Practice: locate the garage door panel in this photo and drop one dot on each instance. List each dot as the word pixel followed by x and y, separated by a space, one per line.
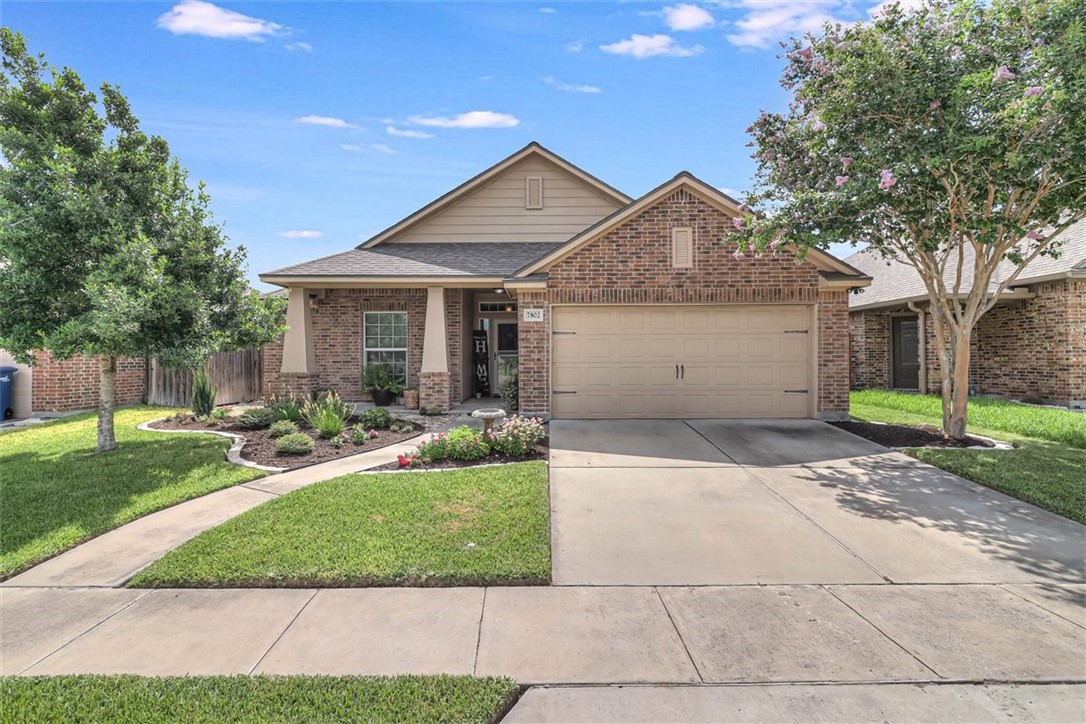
pixel 736 361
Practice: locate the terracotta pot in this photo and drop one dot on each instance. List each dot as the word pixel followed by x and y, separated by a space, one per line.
pixel 382 398
pixel 411 399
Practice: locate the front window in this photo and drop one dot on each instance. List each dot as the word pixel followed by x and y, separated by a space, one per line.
pixel 386 342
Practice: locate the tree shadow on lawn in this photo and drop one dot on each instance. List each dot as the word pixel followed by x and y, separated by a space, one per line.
pixel 1041 543
pixel 78 494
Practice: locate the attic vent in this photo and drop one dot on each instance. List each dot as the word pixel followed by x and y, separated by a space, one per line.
pixel 683 196
pixel 533 192
pixel 682 247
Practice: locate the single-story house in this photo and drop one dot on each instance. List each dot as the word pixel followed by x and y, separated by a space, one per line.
pixel 1031 346
pixel 603 305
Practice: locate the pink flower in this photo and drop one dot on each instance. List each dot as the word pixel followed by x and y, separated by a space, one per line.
pixel 934 105
pixel 818 126
pixel 738 254
pixel 1003 73
pixel 1035 235
pixel 1034 90
pixel 806 53
pixel 886 179
pixel 841 180
pixel 737 222
pixel 846 161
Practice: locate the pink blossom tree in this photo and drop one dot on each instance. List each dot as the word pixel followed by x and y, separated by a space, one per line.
pixel 949 137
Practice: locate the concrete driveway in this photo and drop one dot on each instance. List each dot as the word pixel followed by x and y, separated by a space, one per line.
pixel 704 502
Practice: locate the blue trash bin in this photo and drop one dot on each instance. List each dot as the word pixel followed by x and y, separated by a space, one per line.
pixel 7 396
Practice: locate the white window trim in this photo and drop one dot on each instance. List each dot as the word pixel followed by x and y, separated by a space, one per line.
pixel 406 349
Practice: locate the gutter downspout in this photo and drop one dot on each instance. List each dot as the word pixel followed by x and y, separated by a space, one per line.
pixel 923 346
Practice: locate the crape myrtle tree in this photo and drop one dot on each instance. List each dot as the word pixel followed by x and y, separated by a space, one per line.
pixel 949 137
pixel 105 250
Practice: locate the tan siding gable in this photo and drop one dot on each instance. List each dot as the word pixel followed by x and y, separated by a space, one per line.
pixel 496 211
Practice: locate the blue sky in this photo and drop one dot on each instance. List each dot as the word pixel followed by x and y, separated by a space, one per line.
pixel 316 125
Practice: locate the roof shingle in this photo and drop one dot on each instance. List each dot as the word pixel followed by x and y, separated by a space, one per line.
pixel 487 259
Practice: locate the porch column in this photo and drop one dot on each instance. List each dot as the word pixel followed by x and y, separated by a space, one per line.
pixel 434 376
pixel 298 341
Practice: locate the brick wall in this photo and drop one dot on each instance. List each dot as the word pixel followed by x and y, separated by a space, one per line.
pixel 72 384
pixel 1031 350
pixel 339 344
pixel 632 265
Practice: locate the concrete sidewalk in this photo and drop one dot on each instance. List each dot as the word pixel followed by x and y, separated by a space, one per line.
pixel 112 558
pixel 559 635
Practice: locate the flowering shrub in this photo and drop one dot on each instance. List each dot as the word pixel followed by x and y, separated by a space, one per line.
pixel 516 435
pixel 434 449
pixel 327 415
pixel 358 435
pixel 467 443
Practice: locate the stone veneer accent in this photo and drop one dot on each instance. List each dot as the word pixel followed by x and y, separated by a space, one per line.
pixel 339 345
pixel 1030 350
pixel 632 265
pixel 73 384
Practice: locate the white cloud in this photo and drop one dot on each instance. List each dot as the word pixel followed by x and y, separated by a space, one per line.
pixel 575 47
pixel 570 87
pixel 195 17
pixel 688 17
pixel 767 21
pixel 648 46
pixel 299 47
pixel 326 121
pixel 301 234
pixel 366 147
pixel 407 133
pixel 472 119
pixel 548 11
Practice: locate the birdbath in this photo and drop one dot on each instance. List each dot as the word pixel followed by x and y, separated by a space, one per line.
pixel 488 416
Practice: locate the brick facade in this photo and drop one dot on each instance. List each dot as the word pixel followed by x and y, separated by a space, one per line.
pixel 72 384
pixel 339 344
pixel 1032 350
pixel 632 265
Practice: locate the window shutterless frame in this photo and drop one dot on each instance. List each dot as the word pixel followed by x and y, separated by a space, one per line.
pixel 385 342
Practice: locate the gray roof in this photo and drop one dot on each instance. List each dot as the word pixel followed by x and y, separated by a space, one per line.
pixel 489 259
pixel 894 282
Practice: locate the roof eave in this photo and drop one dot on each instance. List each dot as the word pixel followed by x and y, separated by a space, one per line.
pixel 376 281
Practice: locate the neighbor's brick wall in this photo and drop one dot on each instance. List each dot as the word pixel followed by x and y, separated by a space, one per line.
pixel 632 265
pixel 1032 350
pixel 72 384
pixel 339 344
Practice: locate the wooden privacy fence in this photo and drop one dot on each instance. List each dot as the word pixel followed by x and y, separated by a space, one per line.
pixel 238 377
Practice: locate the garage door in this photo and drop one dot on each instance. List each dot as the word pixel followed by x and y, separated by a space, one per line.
pixel 680 361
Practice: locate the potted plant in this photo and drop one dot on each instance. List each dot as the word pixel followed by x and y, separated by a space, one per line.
pixel 411 398
pixel 377 381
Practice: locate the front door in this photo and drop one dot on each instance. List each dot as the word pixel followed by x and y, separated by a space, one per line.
pixel 506 351
pixel 906 353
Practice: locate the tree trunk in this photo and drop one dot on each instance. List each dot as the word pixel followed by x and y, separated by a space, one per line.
pixel 954 423
pixel 107 389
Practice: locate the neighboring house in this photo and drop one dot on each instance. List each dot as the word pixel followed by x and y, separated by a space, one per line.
pixel 72 384
pixel 603 305
pixel 1030 346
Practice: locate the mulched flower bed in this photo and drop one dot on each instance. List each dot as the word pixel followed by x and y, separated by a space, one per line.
pixel 907 436
pixel 260 445
pixel 539 452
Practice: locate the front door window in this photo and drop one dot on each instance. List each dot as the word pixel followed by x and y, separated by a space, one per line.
pixel 506 349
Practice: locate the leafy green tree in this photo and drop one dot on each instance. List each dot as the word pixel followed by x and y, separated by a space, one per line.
pixel 105 249
pixel 949 137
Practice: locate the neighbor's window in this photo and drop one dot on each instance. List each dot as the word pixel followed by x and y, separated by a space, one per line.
pixel 386 342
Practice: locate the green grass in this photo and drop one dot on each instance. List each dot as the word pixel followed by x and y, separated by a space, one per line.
pixel 469 526
pixel 56 491
pixel 1046 468
pixel 137 700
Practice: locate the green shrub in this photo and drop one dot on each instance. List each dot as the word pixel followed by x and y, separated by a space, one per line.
pixel 509 391
pixel 358 435
pixel 376 417
pixel 296 443
pixel 467 443
pixel 256 418
pixel 219 413
pixel 401 426
pixel 378 377
pixel 435 449
pixel 516 435
pixel 432 411
pixel 279 428
pixel 289 408
pixel 203 393
pixel 327 415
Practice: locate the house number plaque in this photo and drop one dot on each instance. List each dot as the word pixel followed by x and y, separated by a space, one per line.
pixel 533 315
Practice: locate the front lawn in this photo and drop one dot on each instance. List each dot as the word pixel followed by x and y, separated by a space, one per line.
pixel 471 526
pixel 56 491
pixel 138 700
pixel 1046 468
